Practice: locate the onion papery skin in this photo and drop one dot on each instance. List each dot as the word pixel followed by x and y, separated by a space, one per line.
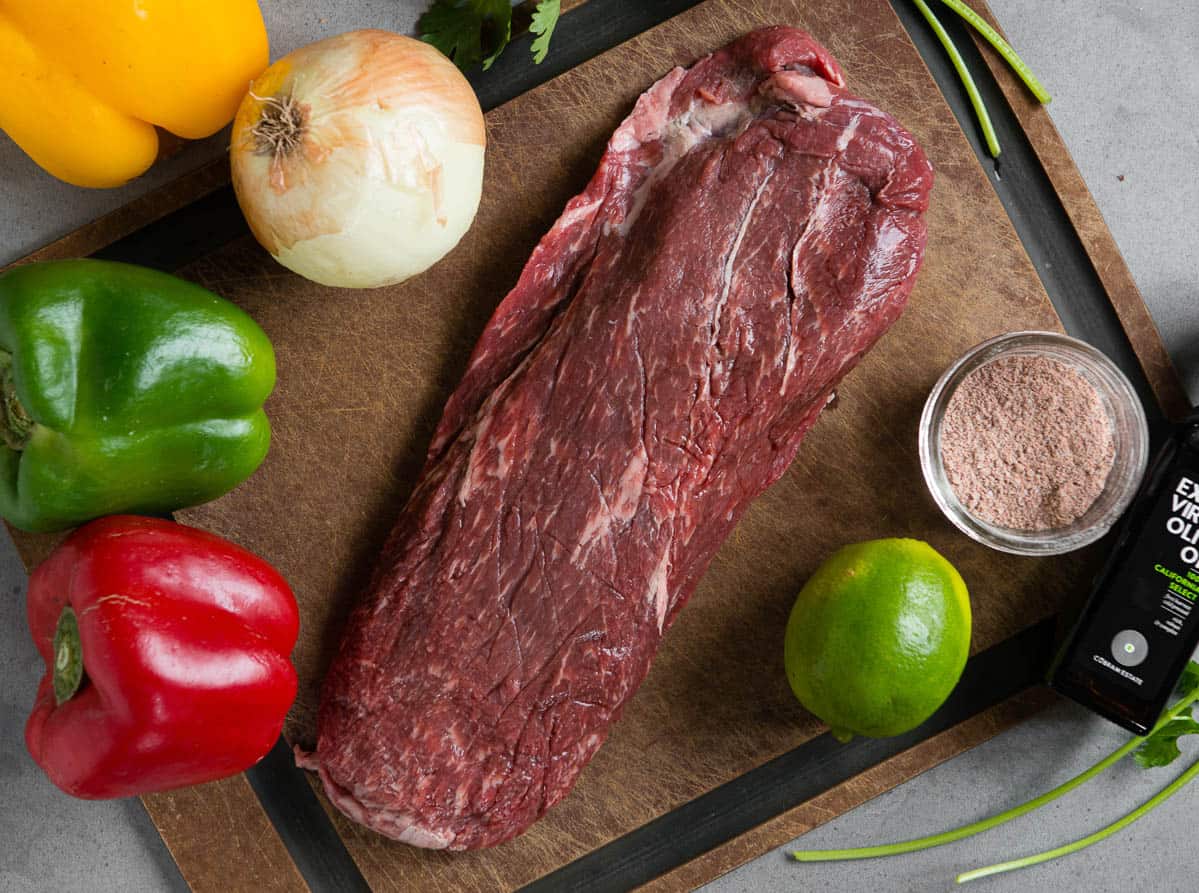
pixel 375 172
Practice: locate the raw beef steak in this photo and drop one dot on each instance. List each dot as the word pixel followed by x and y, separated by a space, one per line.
pixel 752 229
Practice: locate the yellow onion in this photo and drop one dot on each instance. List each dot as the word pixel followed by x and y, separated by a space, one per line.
pixel 358 160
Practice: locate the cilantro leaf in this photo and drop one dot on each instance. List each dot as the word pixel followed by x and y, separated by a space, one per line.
pixel 1161 747
pixel 500 12
pixel 1189 683
pixel 454 30
pixel 458 29
pixel 544 19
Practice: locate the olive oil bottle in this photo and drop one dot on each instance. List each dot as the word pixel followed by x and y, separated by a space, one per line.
pixel 1140 625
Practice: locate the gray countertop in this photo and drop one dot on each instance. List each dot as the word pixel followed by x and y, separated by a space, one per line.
pixel 1125 80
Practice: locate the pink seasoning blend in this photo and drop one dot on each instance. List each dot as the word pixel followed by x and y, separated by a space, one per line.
pixel 1026 443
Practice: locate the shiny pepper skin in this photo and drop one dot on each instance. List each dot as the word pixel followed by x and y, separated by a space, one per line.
pixel 123 390
pixel 84 84
pixel 167 658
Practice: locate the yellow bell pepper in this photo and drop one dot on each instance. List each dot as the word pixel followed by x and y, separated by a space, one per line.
pixel 83 84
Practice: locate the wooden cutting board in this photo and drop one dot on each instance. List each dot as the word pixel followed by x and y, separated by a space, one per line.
pixel 363 376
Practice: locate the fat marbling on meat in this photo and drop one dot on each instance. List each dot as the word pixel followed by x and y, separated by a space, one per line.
pixel 753 228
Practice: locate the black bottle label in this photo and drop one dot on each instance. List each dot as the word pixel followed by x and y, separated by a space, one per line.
pixel 1141 625
pixel 1153 595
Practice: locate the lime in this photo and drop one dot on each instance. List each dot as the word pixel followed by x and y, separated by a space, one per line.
pixel 878 637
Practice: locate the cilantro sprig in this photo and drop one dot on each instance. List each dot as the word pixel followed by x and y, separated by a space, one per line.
pixel 474 31
pixel 1158 748
pixel 545 17
pixel 1161 749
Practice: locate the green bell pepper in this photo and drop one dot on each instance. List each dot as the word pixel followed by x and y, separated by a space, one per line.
pixel 123 390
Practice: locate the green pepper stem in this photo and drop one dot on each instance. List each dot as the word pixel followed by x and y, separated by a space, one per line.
pixel 68 657
pixel 15 423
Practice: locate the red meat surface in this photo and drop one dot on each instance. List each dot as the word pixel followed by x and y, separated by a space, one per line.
pixel 753 228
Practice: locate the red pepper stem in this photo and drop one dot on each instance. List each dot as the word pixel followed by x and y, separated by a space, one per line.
pixel 68 657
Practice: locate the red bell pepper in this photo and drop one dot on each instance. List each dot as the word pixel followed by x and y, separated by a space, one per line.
pixel 167 658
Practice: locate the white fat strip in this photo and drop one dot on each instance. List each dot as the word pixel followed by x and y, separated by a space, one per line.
pixel 650 112
pixel 659 590
pixel 630 488
pixel 631 317
pixel 597 522
pixel 580 213
pixel 814 226
pixel 478 467
pixel 681 135
pixel 457 737
pixel 587 745
pixel 846 136
pixel 470 480
pixel 726 274
pixel 621 507
pixel 860 105
pixel 461 797
pixel 800 85
pixel 492 781
pixel 414 835
pixel 502 461
pixel 400 826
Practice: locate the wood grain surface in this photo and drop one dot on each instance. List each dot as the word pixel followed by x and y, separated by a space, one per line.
pixel 363 376
pixel 853 793
pixel 223 840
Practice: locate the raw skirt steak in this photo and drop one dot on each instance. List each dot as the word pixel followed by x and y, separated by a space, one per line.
pixel 751 231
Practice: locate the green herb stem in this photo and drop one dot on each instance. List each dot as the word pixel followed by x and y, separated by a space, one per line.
pixel 934 840
pixel 980 110
pixel 1002 47
pixel 16 425
pixel 1165 794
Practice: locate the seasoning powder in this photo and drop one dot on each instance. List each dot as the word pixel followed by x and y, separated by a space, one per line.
pixel 1026 443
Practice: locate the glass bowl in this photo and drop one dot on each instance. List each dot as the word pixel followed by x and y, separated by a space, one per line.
pixel 1129 431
